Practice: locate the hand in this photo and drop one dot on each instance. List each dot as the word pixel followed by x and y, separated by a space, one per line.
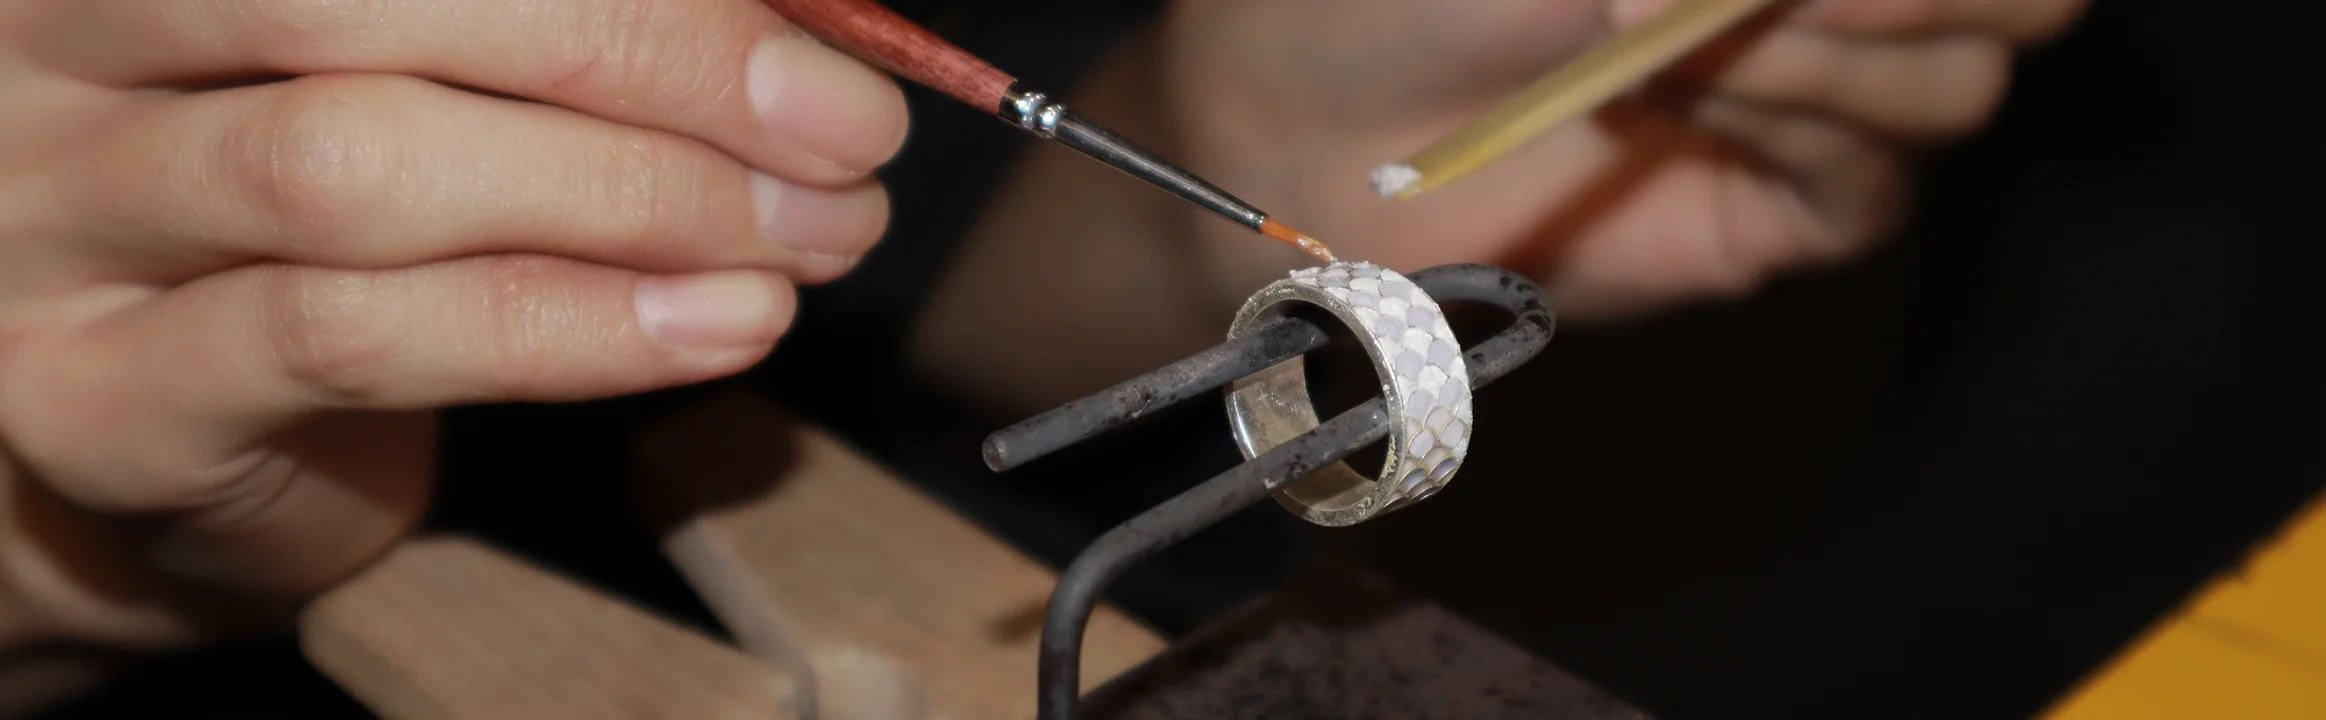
pixel 1783 146
pixel 246 246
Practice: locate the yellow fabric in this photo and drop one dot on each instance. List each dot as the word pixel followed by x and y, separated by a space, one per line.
pixel 2251 646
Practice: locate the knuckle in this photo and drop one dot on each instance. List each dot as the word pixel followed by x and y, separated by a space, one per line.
pixel 654 194
pixel 247 476
pixel 324 336
pixel 525 324
pixel 309 155
pixel 638 46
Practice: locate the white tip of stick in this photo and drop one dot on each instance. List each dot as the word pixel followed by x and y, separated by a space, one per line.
pixel 1394 178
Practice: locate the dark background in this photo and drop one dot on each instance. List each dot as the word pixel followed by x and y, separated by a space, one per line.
pixel 1945 482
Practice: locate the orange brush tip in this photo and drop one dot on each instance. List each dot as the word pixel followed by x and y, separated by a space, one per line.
pixel 1298 239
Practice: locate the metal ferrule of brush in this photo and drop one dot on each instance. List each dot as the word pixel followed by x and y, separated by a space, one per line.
pixel 1038 114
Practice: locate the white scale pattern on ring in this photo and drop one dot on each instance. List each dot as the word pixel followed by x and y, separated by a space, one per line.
pixel 1420 356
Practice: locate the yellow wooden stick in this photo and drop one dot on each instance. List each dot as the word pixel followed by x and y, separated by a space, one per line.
pixel 1571 90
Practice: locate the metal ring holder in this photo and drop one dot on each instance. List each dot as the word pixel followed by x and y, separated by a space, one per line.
pixel 1174 520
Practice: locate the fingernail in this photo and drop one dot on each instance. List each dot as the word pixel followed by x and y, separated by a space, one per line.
pixel 767 202
pixel 814 220
pixel 709 310
pixel 825 104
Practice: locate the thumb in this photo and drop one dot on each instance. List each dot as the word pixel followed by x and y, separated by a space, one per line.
pixel 337 492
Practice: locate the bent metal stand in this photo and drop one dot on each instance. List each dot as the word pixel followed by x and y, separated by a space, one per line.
pixel 843 593
pixel 1530 328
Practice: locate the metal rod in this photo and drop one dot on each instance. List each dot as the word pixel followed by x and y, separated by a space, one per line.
pixel 1531 324
pixel 1164 525
pixel 1130 400
pixel 1061 427
pixel 1068 615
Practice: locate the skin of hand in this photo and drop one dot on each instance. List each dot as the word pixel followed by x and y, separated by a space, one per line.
pixel 1784 144
pixel 248 246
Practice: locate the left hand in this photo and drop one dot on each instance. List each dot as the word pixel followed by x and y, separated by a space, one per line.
pixel 248 248
pixel 1783 146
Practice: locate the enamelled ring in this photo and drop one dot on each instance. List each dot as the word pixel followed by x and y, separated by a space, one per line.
pixel 1425 386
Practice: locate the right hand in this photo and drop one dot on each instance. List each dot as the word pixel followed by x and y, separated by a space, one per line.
pixel 246 246
pixel 1789 143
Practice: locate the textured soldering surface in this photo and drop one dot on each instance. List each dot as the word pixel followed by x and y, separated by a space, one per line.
pixel 1351 646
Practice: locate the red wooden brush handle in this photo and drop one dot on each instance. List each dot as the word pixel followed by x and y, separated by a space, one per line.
pixel 877 35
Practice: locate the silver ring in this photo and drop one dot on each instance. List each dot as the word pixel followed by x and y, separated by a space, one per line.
pixel 1424 382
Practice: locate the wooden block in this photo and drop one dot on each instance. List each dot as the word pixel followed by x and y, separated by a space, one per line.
pixel 802 545
pixel 447 628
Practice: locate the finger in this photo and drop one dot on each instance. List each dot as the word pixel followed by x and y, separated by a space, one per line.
pixel 1846 184
pixel 204 375
pixel 1687 219
pixel 345 489
pixel 1734 195
pixel 727 71
pixel 45 118
pixel 378 171
pixel 2019 21
pixel 1920 89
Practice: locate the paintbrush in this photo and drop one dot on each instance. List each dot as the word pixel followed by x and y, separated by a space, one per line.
pixel 1566 92
pixel 877 35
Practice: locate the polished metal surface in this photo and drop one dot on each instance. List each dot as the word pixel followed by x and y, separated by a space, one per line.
pixel 1032 111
